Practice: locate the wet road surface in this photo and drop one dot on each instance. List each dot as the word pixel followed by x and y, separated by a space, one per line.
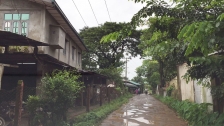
pixel 143 110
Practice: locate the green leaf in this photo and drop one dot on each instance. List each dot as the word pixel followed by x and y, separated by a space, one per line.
pixel 217 24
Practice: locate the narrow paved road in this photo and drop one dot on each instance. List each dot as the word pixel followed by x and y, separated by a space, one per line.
pixel 143 110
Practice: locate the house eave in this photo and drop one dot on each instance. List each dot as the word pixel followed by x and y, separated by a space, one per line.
pixel 54 9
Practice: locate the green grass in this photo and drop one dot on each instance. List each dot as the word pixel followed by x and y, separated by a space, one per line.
pixel 96 116
pixel 195 114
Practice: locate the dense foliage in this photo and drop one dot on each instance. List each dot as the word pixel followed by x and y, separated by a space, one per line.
pixel 160 42
pixel 198 24
pixel 109 53
pixel 58 93
pixel 187 31
pixel 149 72
pixel 113 74
pixel 195 114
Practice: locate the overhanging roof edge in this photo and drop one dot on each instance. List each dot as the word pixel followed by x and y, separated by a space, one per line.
pixel 67 21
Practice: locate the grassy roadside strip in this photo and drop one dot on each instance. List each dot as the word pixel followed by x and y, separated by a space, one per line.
pixel 97 115
pixel 195 114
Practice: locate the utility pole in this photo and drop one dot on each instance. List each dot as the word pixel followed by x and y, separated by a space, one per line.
pixel 126 69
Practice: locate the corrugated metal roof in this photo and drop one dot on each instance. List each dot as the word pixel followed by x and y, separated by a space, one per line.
pixel 29 58
pixel 13 39
pixel 130 85
pixel 54 9
pixel 132 82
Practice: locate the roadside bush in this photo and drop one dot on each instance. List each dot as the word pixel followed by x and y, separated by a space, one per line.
pixel 169 90
pixel 195 114
pixel 94 117
pixel 58 92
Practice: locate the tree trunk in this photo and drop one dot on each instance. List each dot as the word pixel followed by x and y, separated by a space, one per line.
pixel 64 117
pixel 217 102
pixel 162 81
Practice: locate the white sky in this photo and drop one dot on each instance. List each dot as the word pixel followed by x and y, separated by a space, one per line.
pixel 120 11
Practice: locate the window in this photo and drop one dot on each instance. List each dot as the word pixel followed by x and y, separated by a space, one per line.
pixel 15 27
pixel 79 58
pixel 24 28
pixel 73 53
pixel 16 23
pixel 65 48
pixel 7 26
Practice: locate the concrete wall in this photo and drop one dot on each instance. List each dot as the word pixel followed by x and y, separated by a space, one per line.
pixel 48 21
pixel 187 89
pixel 35 23
pixel 192 90
pixel 58 53
pixel 77 50
pixel 173 82
pixel 202 94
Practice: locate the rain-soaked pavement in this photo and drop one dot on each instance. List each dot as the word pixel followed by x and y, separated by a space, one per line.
pixel 143 110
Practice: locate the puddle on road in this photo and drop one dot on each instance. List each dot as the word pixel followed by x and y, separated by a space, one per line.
pixel 132 124
pixel 142 111
pixel 142 120
pixel 129 113
pixel 129 123
pixel 139 119
pixel 147 105
pixel 135 114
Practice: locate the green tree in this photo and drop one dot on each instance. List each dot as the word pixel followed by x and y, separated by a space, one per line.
pixel 149 73
pixel 160 42
pixel 201 28
pixel 139 79
pixel 113 74
pixel 110 53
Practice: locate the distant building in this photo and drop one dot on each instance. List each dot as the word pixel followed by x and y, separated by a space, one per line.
pixel 132 85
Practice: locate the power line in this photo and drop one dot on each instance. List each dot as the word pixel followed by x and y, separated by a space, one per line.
pixel 93 13
pixel 107 10
pixel 79 12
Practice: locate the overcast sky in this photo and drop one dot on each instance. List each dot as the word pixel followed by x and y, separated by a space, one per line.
pixel 120 11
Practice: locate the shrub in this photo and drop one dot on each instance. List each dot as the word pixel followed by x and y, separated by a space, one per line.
pixel 169 90
pixel 58 92
pixel 195 114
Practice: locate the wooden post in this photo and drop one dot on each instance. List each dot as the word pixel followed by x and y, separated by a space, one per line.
pixel 1 74
pixel 6 49
pixel 83 80
pixel 108 92
pixel 87 98
pixel 81 93
pixel 19 99
pixel 101 95
pixel 35 50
